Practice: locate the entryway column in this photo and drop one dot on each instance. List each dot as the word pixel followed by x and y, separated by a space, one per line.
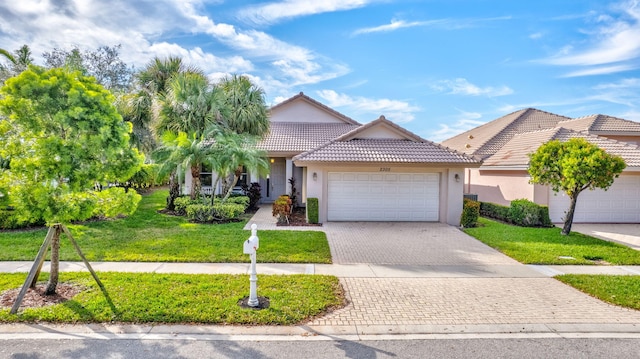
pixel 289 174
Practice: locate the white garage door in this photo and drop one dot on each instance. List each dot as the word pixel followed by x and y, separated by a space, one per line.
pixel 619 204
pixel 358 196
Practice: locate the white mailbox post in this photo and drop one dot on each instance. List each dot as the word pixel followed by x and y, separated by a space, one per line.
pixel 250 247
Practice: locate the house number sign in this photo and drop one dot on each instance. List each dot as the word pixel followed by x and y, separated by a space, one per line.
pixel 385 169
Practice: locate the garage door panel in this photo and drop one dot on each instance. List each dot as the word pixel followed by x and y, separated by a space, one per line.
pixel 383 197
pixel 619 204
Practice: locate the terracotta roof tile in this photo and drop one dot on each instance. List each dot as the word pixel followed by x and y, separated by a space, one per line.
pixel 515 152
pixel 601 123
pixel 384 151
pixel 300 137
pixel 485 140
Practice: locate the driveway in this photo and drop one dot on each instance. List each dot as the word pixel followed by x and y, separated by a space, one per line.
pixel 407 243
pixel 625 234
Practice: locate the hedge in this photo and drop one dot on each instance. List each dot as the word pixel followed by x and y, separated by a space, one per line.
pixel 521 212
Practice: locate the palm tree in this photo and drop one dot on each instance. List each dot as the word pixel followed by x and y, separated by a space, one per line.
pixel 233 152
pixel 188 150
pixel 152 81
pixel 136 108
pixel 190 104
pixel 248 112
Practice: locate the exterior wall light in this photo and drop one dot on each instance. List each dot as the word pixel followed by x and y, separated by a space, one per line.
pixel 315 176
pixel 272 160
pixel 457 177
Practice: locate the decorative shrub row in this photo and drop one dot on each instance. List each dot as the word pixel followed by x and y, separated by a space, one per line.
pixel 201 210
pixel 470 213
pixel 521 212
pixel 312 210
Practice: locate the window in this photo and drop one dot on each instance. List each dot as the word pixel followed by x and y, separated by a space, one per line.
pixel 206 177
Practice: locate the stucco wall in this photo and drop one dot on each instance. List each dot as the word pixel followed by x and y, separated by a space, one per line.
pixel 301 111
pixel 500 187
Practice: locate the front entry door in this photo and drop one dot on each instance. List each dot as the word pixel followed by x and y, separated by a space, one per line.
pixel 275 184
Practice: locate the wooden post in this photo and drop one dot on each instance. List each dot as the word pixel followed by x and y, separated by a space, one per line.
pixel 32 278
pixel 84 259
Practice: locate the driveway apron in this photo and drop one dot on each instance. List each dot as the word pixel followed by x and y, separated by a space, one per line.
pixel 411 304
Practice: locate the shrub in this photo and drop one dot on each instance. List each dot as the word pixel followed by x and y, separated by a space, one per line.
pixel 312 210
pixel 181 204
pixel 522 212
pixel 222 212
pixel 241 200
pixel 470 213
pixel 495 211
pixel 282 208
pixel 254 193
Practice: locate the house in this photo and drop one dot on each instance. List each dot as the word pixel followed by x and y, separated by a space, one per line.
pixel 373 172
pixel 504 145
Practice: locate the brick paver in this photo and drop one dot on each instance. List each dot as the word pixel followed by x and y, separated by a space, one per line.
pixel 407 243
pixel 454 301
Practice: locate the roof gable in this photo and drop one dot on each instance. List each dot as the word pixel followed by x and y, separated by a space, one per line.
pixel 382 141
pixel 485 140
pixel 602 124
pixel 303 109
pixel 380 129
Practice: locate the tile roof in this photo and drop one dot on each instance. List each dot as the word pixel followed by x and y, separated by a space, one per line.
pixel 515 152
pixel 384 151
pixel 601 123
pixel 485 140
pixel 299 137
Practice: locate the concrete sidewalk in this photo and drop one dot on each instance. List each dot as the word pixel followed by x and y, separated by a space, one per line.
pixel 338 270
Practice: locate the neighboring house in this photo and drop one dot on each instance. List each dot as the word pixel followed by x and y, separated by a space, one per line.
pixel 504 145
pixel 373 172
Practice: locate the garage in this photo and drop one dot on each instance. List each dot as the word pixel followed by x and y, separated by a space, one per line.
pixel 375 196
pixel 619 204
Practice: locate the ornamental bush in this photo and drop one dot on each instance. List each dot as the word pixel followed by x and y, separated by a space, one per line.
pixel 312 210
pixel 470 213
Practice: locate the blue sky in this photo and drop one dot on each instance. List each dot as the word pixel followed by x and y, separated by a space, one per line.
pixel 435 67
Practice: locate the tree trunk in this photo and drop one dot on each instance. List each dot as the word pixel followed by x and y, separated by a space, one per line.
pixel 55 262
pixel 196 185
pixel 233 183
pixel 174 190
pixel 568 221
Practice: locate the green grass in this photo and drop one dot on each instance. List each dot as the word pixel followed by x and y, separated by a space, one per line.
pixel 548 246
pixel 619 290
pixel 149 236
pixel 182 298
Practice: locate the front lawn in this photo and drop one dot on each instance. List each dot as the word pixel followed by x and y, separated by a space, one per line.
pixel 619 290
pixel 548 246
pixel 182 298
pixel 149 236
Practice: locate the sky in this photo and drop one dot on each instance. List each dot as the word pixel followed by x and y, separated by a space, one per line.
pixel 435 67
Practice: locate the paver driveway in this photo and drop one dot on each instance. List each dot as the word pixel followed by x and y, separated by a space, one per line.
pixel 407 243
pixel 406 304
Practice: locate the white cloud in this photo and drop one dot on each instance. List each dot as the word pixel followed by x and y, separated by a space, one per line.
pixel 447 24
pixel 624 83
pixel 394 25
pixel 614 41
pixel 277 11
pixel 141 28
pixel 394 110
pixel 535 36
pixel 464 121
pixel 461 86
pixel 600 70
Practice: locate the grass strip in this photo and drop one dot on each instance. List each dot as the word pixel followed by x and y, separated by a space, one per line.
pixel 182 298
pixel 548 246
pixel 615 289
pixel 149 236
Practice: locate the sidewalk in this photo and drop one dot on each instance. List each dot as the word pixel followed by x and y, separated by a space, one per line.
pixel 338 270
